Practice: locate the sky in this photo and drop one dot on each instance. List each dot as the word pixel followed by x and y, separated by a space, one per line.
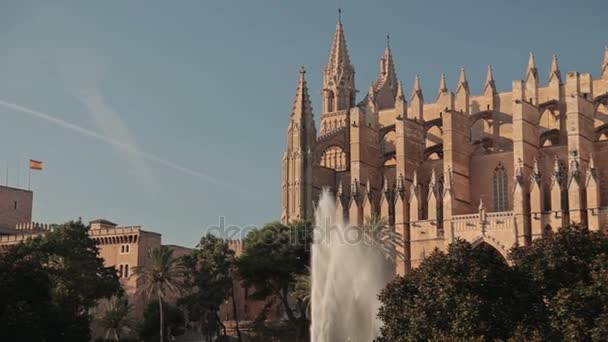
pixel 173 114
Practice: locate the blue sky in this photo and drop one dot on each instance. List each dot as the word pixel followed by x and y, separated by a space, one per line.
pixel 170 114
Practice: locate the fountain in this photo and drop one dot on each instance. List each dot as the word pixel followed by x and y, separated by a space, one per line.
pixel 347 276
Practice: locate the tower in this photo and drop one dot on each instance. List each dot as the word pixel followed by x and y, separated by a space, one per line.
pixel 297 160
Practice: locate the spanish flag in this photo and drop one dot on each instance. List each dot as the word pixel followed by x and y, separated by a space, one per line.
pixel 36 164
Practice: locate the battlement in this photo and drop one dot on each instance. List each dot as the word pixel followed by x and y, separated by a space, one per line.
pixel 34 226
pixel 9 240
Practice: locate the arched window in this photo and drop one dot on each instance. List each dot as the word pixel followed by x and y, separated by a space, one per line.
pixel 127 249
pixel 120 269
pixel 126 271
pixel 330 101
pixel 122 249
pixel 501 199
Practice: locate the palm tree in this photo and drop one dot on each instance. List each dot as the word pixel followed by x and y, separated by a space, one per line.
pixel 162 277
pixel 377 231
pixel 302 290
pixel 115 318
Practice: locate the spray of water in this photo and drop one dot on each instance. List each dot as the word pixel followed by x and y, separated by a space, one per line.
pixel 348 272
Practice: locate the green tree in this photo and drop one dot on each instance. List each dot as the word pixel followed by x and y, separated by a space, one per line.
pixel 50 283
pixel 115 318
pixel 465 294
pixel 172 324
pixel 210 280
pixel 274 256
pixel 568 280
pixel 555 290
pixel 161 278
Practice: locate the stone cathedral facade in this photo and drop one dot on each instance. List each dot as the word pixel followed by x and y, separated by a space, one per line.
pixel 500 168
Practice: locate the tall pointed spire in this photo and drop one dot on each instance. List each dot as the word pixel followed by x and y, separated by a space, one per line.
pixel 490 85
pixel 339 59
pixel 339 92
pixel 531 70
pixel 302 109
pixel 387 66
pixel 463 84
pixel 555 73
pixel 605 64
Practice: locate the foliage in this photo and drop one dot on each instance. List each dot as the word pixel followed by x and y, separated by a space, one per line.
pixel 568 275
pixel 173 324
pixel 50 283
pixel 162 278
pixel 464 294
pixel 115 318
pixel 210 280
pixel 378 232
pixel 556 289
pixel 274 256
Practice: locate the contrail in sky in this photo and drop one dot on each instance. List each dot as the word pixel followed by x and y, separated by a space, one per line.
pixel 115 143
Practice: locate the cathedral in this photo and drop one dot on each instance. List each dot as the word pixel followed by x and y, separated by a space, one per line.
pixel 496 168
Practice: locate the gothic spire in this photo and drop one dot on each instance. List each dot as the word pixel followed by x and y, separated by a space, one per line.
pixel 463 84
pixel 302 109
pixel 555 73
pixel 531 70
pixel 490 84
pixel 339 61
pixel 387 66
pixel 605 64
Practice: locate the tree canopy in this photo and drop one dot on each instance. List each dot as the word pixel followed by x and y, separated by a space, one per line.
pixel 49 284
pixel 209 278
pixel 273 258
pixel 556 289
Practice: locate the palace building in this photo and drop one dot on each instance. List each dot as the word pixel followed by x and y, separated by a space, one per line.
pixel 500 168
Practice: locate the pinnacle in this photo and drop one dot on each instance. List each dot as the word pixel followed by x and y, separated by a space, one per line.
pixel 531 61
pixel 443 84
pixel 463 76
pixel 462 81
pixel 554 69
pixel 417 90
pixel 531 70
pixel 400 94
pixel 490 75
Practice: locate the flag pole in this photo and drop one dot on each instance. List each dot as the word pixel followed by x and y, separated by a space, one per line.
pixel 29 178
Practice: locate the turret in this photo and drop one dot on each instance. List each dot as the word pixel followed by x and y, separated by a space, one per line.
pixel 297 160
